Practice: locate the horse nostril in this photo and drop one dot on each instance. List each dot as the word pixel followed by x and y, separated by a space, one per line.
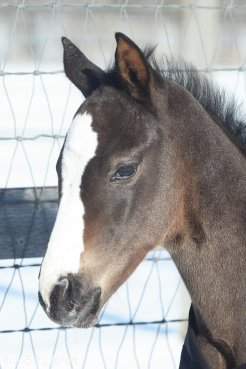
pixel 64 286
pixel 62 295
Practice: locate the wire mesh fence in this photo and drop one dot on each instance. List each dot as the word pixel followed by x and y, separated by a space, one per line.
pixel 143 324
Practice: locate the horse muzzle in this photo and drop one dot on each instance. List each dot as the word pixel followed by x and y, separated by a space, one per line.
pixel 73 303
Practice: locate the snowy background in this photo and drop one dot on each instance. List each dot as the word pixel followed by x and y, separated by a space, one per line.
pixel 37 104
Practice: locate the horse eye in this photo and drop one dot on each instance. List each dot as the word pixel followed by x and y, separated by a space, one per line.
pixel 124 171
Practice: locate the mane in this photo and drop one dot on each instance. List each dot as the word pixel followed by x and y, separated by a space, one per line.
pixel 224 110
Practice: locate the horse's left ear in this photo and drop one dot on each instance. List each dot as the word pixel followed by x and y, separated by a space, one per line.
pixel 81 71
pixel 132 67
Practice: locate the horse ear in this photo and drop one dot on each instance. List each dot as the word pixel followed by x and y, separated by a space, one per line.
pixel 80 70
pixel 132 67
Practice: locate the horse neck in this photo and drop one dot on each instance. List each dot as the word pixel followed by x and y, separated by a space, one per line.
pixel 210 222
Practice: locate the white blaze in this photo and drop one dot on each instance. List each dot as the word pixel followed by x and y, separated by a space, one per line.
pixel 66 240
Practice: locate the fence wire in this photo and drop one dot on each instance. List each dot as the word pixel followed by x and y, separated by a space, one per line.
pixel 143 324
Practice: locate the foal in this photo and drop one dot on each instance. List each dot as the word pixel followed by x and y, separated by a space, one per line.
pixel 151 158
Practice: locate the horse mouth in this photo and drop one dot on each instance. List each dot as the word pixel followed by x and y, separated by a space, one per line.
pixel 90 317
pixel 87 322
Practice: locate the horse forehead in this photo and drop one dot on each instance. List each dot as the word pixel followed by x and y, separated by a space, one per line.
pixel 79 147
pixel 80 134
pixel 109 106
pixel 116 117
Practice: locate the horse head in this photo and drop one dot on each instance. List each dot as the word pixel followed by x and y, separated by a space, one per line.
pixel 114 182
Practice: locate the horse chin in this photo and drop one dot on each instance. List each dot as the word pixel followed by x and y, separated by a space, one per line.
pixel 89 322
pixel 77 320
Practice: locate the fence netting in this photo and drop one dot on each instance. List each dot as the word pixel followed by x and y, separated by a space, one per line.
pixel 143 324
